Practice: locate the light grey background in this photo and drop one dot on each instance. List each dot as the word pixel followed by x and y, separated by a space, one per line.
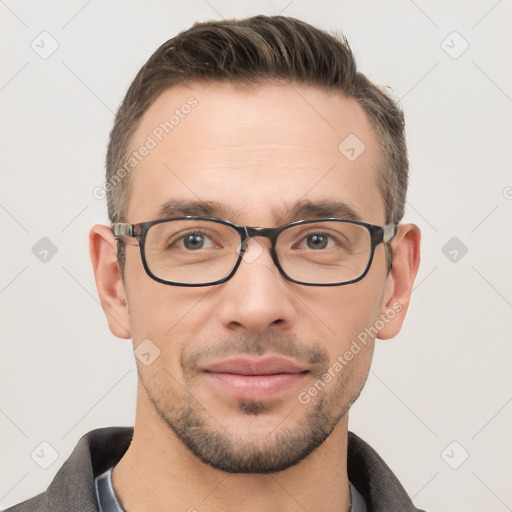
pixel 446 378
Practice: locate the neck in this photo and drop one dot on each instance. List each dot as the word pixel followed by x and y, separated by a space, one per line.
pixel 159 473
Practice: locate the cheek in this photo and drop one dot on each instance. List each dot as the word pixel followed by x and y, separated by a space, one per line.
pixel 171 317
pixel 346 311
pixel 348 315
pixel 154 308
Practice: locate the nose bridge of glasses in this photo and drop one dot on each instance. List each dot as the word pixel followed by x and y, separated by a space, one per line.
pixel 251 232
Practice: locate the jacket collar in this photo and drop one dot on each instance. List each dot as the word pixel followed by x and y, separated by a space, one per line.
pixel 73 486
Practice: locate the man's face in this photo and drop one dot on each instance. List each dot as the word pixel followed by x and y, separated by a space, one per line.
pixel 253 154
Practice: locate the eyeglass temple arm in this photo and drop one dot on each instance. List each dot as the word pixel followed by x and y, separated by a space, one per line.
pixel 389 232
pixel 122 229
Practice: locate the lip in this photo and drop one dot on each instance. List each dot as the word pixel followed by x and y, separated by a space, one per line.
pixel 251 379
pixel 246 366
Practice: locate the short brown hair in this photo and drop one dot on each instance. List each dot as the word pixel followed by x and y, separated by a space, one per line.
pixel 254 51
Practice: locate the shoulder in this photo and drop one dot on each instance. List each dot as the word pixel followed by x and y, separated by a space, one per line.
pixel 73 486
pixel 38 503
pixel 374 479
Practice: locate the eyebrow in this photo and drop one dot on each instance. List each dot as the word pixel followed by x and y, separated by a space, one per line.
pixel 305 209
pixel 301 209
pixel 179 208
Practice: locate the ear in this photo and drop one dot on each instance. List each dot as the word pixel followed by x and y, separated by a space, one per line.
pixel 406 260
pixel 103 251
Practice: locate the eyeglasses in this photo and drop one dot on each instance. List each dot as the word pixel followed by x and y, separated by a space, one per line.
pixel 205 251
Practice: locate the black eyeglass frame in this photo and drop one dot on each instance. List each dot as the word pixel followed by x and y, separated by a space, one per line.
pixel 378 235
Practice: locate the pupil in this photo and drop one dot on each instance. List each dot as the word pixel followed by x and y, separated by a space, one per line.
pixel 194 241
pixel 317 242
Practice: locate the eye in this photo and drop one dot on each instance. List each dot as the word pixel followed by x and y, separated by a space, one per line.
pixel 317 241
pixel 193 241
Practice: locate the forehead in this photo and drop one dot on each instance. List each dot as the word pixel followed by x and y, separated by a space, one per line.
pixel 253 150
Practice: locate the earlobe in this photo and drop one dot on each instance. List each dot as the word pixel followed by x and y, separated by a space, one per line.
pixel 111 291
pixel 406 260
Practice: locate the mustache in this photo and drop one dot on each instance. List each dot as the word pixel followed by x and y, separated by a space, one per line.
pixel 313 355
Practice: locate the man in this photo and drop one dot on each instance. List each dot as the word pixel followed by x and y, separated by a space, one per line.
pixel 256 182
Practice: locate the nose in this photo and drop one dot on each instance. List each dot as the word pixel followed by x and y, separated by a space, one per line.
pixel 257 297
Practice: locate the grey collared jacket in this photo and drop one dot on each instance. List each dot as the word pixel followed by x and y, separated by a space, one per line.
pixel 72 489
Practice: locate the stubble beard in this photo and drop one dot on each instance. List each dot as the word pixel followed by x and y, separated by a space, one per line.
pixel 234 452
